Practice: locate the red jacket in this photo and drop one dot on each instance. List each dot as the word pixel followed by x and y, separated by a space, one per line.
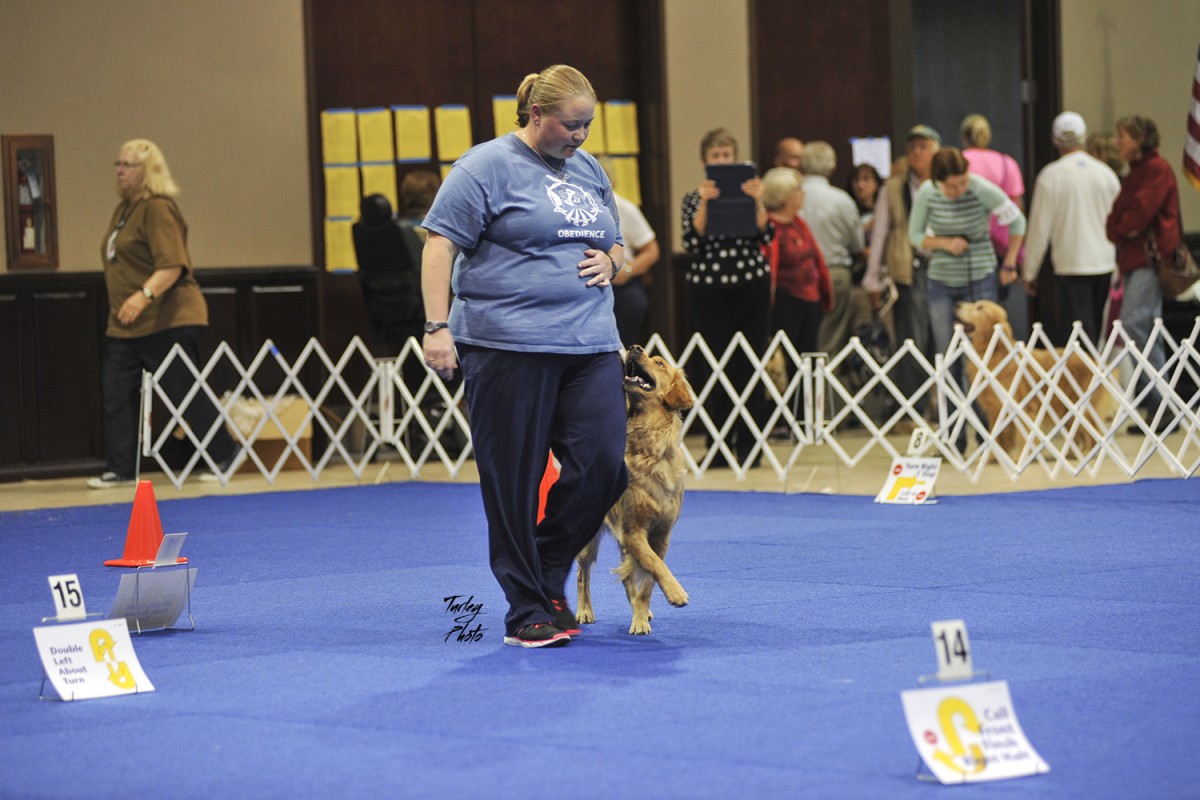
pixel 797 266
pixel 1149 201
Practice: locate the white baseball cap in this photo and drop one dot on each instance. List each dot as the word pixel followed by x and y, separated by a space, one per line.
pixel 1069 128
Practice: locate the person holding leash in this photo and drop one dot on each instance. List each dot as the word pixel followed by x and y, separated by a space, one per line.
pixel 527 226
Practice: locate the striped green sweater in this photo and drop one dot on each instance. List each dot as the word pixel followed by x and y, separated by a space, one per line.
pixel 966 216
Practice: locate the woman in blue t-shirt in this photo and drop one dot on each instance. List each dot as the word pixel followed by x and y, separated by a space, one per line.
pixel 527 226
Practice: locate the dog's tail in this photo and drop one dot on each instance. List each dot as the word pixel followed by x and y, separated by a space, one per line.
pixel 630 568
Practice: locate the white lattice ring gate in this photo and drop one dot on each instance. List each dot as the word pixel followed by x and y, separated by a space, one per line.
pixel 351 407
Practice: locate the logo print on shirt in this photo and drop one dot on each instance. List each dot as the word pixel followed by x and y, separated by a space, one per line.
pixel 573 203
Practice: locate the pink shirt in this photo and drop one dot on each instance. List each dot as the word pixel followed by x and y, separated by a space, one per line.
pixel 1003 171
pixel 998 168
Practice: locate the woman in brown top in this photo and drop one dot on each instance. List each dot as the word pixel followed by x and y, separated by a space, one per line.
pixel 154 304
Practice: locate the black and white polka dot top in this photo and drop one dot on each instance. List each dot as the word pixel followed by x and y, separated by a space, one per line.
pixel 723 259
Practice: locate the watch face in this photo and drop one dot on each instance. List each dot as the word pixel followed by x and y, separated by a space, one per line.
pixel 434 327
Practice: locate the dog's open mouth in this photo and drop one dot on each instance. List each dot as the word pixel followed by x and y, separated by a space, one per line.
pixel 636 375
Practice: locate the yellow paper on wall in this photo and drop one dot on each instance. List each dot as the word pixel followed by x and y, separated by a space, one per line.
pixel 453 126
pixel 620 124
pixel 339 142
pixel 380 179
pixel 504 114
pixel 626 179
pixel 341 190
pixel 413 141
pixel 597 141
pixel 339 245
pixel 375 134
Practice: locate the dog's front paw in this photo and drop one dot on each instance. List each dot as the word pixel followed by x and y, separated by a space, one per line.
pixel 676 596
pixel 585 616
pixel 640 627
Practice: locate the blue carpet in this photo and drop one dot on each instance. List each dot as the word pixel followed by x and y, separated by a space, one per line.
pixel 320 668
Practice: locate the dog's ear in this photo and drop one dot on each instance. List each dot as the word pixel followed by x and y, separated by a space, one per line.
pixel 679 394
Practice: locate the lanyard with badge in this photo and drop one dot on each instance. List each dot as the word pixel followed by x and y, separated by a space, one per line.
pixel 112 239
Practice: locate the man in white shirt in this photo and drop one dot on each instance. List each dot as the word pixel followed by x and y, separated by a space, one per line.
pixel 1071 201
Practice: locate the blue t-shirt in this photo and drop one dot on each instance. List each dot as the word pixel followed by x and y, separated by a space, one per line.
pixel 521 231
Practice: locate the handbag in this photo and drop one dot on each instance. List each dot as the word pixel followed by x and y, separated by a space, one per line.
pixel 1177 273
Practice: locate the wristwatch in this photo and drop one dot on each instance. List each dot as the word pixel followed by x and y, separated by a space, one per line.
pixel 146 293
pixel 434 327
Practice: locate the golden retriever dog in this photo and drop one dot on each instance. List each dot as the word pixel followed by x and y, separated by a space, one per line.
pixel 641 520
pixel 979 320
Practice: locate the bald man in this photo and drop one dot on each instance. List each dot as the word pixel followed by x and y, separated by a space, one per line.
pixel 788 152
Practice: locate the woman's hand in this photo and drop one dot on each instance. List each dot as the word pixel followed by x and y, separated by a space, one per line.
pixel 439 353
pixel 753 188
pixel 708 190
pixel 954 245
pixel 1008 275
pixel 159 282
pixel 132 308
pixel 599 268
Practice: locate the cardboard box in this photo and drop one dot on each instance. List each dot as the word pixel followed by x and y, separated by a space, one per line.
pixel 270 444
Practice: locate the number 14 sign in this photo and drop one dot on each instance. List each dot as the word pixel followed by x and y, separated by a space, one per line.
pixel 953 650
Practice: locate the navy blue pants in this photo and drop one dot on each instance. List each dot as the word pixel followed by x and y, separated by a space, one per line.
pixel 521 405
pixel 124 360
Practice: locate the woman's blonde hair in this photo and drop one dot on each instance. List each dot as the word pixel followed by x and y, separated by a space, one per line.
pixel 156 177
pixel 778 185
pixel 549 89
pixel 975 131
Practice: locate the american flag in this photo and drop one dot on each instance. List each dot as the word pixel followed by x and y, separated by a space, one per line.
pixel 1191 150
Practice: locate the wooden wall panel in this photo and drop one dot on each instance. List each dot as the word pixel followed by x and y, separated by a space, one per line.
pixel 10 381
pixel 379 52
pixel 821 71
pixel 223 326
pixel 65 404
pixel 51 345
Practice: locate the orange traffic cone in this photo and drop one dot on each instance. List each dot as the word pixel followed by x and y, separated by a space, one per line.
pixel 145 531
pixel 548 479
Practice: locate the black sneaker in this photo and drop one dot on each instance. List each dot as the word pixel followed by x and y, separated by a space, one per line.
pixel 564 617
pixel 539 634
pixel 109 480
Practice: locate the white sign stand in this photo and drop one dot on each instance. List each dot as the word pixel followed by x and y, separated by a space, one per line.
pixel 910 482
pixel 953 653
pixel 153 598
pixel 969 733
pixel 966 733
pixel 81 659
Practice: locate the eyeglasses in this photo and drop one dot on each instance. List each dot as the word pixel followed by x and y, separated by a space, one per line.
pixel 126 164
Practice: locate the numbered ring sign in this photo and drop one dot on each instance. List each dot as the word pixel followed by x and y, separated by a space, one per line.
pixel 953 650
pixel 68 598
